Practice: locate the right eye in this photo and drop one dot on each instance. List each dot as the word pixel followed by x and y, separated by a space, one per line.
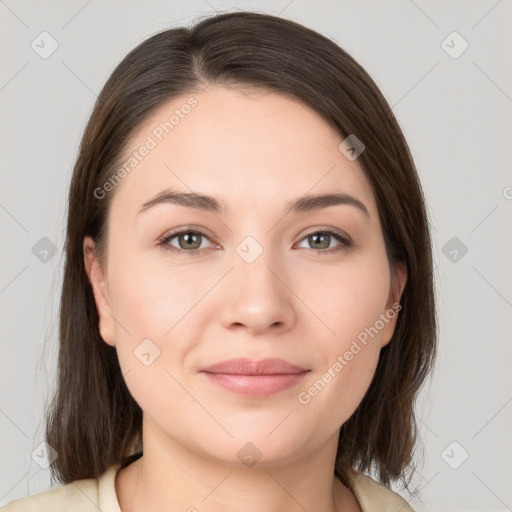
pixel 188 240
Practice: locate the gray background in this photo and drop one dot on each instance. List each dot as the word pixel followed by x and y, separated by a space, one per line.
pixel 456 116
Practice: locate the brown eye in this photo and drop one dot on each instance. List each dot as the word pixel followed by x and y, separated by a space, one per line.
pixel 186 241
pixel 321 241
pixel 189 240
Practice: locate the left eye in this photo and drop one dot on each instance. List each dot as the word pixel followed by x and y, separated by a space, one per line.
pixel 322 240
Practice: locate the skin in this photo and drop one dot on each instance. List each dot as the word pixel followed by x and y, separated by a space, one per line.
pixel 256 151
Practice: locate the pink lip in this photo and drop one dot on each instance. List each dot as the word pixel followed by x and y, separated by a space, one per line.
pixel 255 378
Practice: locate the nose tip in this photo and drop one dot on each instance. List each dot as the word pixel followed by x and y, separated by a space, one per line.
pixel 255 297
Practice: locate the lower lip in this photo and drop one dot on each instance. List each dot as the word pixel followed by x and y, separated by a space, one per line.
pixel 256 385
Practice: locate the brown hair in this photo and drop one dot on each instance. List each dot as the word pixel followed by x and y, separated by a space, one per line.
pixel 93 421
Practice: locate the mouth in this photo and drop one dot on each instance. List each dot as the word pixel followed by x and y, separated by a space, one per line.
pixel 256 379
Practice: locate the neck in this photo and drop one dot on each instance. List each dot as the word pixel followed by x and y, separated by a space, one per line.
pixel 172 477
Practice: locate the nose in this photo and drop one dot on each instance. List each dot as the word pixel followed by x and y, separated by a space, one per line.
pixel 257 296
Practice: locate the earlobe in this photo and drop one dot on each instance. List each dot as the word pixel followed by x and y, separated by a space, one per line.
pixel 98 282
pixel 393 306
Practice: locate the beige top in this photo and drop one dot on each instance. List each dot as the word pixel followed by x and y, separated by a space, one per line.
pixel 91 494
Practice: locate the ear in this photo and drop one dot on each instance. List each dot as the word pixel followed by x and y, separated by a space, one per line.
pixel 98 281
pixel 393 307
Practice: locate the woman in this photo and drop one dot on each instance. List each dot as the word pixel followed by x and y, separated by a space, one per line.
pixel 247 311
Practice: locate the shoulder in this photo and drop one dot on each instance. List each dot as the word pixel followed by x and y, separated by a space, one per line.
pixel 79 496
pixel 375 497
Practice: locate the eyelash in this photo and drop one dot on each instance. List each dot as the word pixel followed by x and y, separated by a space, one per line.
pixel 346 243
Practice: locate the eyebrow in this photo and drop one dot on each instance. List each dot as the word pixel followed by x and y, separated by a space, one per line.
pixel 207 203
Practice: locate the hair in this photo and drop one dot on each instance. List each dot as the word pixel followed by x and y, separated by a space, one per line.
pixel 93 421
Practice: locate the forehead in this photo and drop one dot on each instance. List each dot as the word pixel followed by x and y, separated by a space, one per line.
pixel 248 148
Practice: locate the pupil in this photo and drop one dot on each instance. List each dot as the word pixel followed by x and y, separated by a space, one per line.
pixel 191 239
pixel 319 243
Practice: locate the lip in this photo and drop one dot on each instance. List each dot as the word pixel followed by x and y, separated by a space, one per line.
pixel 244 366
pixel 255 378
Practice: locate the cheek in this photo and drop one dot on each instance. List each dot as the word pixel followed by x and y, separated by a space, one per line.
pixel 343 372
pixel 152 296
pixel 347 296
pixel 349 301
pixel 154 310
pixel 160 311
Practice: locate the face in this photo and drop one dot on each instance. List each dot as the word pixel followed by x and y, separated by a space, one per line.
pixel 185 287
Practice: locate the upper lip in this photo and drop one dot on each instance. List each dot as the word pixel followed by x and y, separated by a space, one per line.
pixel 244 366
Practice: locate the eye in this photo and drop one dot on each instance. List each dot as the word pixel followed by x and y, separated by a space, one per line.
pixel 191 241
pixel 187 240
pixel 322 240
